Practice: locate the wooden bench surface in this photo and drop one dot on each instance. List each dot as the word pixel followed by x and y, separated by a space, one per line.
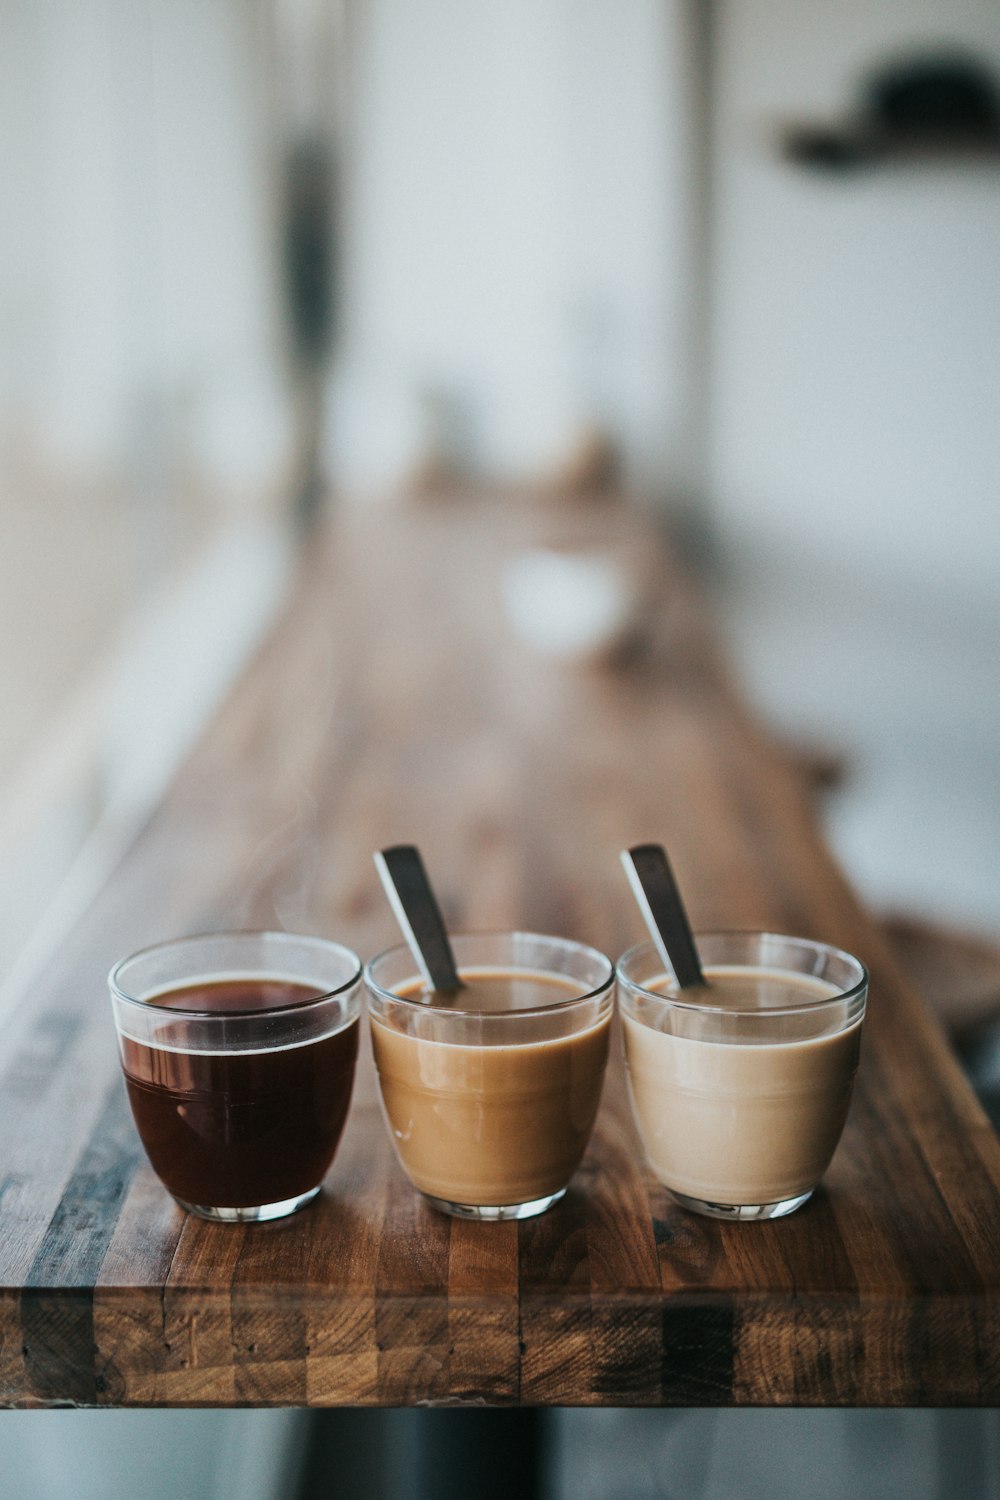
pixel 390 704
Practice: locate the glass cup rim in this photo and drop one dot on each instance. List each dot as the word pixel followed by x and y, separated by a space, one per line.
pixel 815 944
pixel 509 1015
pixel 296 1006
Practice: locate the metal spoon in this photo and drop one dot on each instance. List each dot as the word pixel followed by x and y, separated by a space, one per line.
pixel 655 889
pixel 404 878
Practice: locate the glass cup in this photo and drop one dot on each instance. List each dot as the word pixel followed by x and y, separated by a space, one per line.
pixel 238 1051
pixel 490 1109
pixel 741 1090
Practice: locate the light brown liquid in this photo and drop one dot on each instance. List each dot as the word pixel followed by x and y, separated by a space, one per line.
pixel 490 1119
pixel 739 1121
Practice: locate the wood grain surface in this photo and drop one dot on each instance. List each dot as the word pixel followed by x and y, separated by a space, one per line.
pixel 392 705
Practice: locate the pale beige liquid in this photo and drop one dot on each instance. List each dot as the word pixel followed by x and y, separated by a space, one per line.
pixel 737 1121
pixel 495 1122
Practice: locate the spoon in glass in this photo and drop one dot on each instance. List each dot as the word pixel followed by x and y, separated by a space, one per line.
pixel 655 890
pixel 405 881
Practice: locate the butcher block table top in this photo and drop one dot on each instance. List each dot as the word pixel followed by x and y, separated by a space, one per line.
pixel 390 704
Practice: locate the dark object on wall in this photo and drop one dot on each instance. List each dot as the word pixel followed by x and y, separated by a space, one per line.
pixel 307 223
pixel 928 107
pixel 309 267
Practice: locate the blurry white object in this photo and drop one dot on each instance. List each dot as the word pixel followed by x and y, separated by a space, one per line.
pixel 573 605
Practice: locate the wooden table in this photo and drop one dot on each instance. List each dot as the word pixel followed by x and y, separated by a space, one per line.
pixel 390 704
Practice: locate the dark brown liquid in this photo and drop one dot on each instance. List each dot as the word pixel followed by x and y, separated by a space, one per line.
pixel 239 1129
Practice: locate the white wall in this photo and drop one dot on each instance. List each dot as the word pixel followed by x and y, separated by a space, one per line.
pixel 515 238
pixel 137 290
pixel 516 231
pixel 855 447
pixel 856 353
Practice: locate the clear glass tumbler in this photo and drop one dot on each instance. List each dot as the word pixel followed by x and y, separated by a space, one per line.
pixel 741 1089
pixel 238 1051
pixel 490 1096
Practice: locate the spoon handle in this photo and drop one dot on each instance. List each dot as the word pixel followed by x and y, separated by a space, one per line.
pixel 655 889
pixel 410 895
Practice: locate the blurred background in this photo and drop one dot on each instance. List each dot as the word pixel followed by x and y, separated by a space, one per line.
pixel 736 258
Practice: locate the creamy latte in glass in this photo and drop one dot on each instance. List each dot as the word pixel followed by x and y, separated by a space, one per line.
pixel 490 1093
pixel 741 1088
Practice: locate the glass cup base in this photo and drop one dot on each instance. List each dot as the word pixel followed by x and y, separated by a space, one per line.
pixel 741 1211
pixel 257 1214
pixel 492 1213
